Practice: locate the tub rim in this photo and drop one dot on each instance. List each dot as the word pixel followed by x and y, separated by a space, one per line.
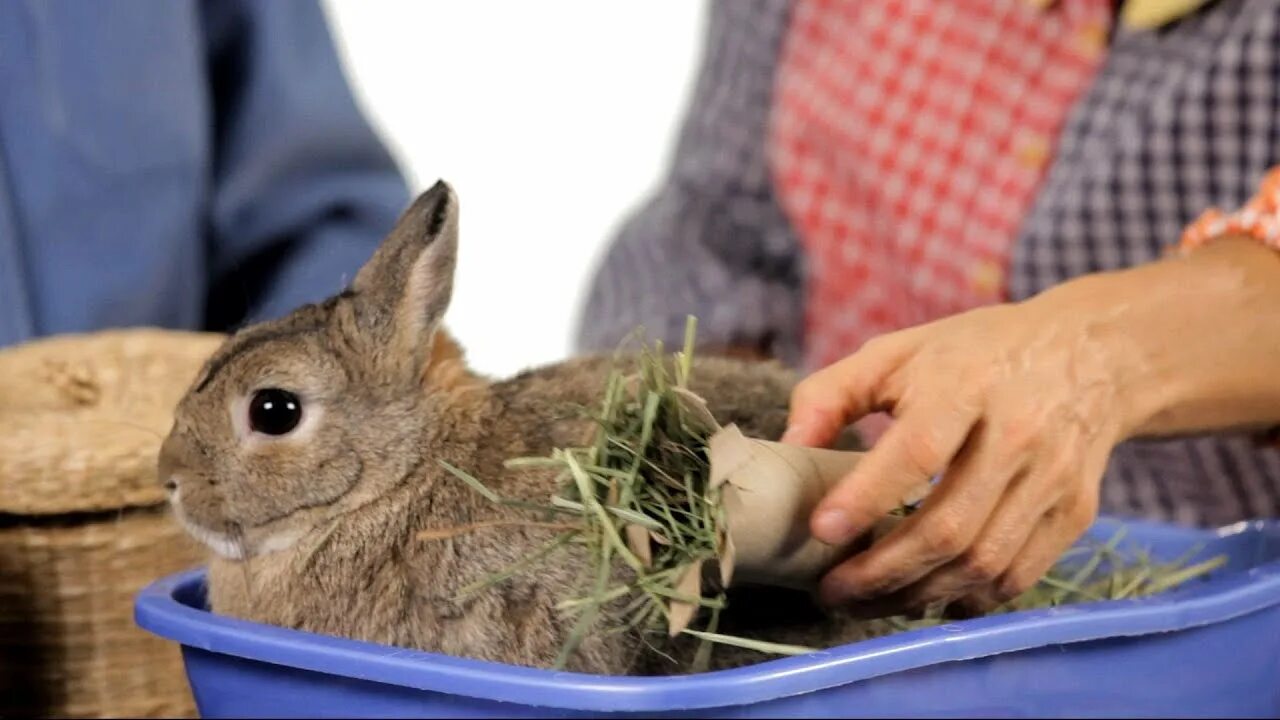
pixel 1232 595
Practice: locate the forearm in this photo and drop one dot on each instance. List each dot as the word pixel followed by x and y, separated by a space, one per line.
pixel 1193 343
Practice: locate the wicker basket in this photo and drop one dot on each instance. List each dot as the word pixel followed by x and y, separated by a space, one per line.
pixel 83 525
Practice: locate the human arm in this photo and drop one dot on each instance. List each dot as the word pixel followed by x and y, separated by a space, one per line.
pixel 1018 407
pixel 303 191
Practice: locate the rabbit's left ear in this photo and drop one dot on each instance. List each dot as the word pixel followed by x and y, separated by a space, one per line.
pixel 402 293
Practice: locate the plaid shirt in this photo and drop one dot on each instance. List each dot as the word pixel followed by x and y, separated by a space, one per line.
pixel 849 169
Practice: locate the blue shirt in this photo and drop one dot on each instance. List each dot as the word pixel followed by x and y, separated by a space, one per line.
pixel 178 164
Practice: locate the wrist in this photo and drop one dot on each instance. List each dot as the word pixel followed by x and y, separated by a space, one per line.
pixel 1098 320
pixel 1187 343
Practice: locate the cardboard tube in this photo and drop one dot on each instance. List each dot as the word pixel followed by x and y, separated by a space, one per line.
pixel 769 491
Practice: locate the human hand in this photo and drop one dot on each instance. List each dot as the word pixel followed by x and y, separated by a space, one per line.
pixel 1014 406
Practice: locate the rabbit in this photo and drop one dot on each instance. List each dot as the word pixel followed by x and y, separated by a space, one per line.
pixel 306 456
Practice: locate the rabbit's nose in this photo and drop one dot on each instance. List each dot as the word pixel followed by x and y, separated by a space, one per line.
pixel 170 461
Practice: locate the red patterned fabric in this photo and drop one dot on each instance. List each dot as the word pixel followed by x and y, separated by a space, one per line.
pixel 907 141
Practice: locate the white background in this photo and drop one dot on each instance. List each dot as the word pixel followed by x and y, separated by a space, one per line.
pixel 552 120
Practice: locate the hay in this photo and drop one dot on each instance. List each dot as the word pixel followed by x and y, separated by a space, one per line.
pixel 640 494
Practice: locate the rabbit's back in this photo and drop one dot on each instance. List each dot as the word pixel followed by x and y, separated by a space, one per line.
pixel 544 409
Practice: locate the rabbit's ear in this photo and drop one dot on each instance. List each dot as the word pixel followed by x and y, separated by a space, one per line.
pixel 404 290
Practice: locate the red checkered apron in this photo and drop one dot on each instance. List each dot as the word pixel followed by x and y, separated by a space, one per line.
pixel 908 138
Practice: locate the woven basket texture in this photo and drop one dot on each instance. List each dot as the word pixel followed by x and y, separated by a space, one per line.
pixel 83 522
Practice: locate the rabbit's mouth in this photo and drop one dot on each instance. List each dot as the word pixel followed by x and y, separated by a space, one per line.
pixel 233 542
pixel 229 544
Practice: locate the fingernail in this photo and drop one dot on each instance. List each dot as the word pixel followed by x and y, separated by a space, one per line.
pixel 832 526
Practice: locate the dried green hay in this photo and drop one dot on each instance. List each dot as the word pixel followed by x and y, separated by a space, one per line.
pixel 639 494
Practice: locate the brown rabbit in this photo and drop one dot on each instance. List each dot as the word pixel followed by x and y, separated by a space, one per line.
pixel 307 457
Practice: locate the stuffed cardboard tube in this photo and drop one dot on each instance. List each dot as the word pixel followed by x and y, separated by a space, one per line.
pixel 769 491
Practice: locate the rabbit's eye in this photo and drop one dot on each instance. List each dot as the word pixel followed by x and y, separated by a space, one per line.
pixel 274 412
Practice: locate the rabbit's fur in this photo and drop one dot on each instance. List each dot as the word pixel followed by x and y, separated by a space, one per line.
pixel 316 530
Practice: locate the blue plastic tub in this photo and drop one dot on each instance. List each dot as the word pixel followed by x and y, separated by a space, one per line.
pixel 1208 649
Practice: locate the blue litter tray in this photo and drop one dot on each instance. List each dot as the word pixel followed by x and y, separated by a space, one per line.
pixel 1211 648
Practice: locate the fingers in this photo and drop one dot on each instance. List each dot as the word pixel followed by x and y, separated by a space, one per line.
pixel 914 450
pixel 1062 527
pixel 1015 518
pixel 828 400
pixel 1049 539
pixel 1041 552
pixel 941 530
pixel 1052 537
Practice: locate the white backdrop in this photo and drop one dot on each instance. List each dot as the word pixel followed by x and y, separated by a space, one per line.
pixel 552 119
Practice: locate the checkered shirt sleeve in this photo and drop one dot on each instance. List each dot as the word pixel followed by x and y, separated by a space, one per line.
pixel 712 241
pixel 1177 121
